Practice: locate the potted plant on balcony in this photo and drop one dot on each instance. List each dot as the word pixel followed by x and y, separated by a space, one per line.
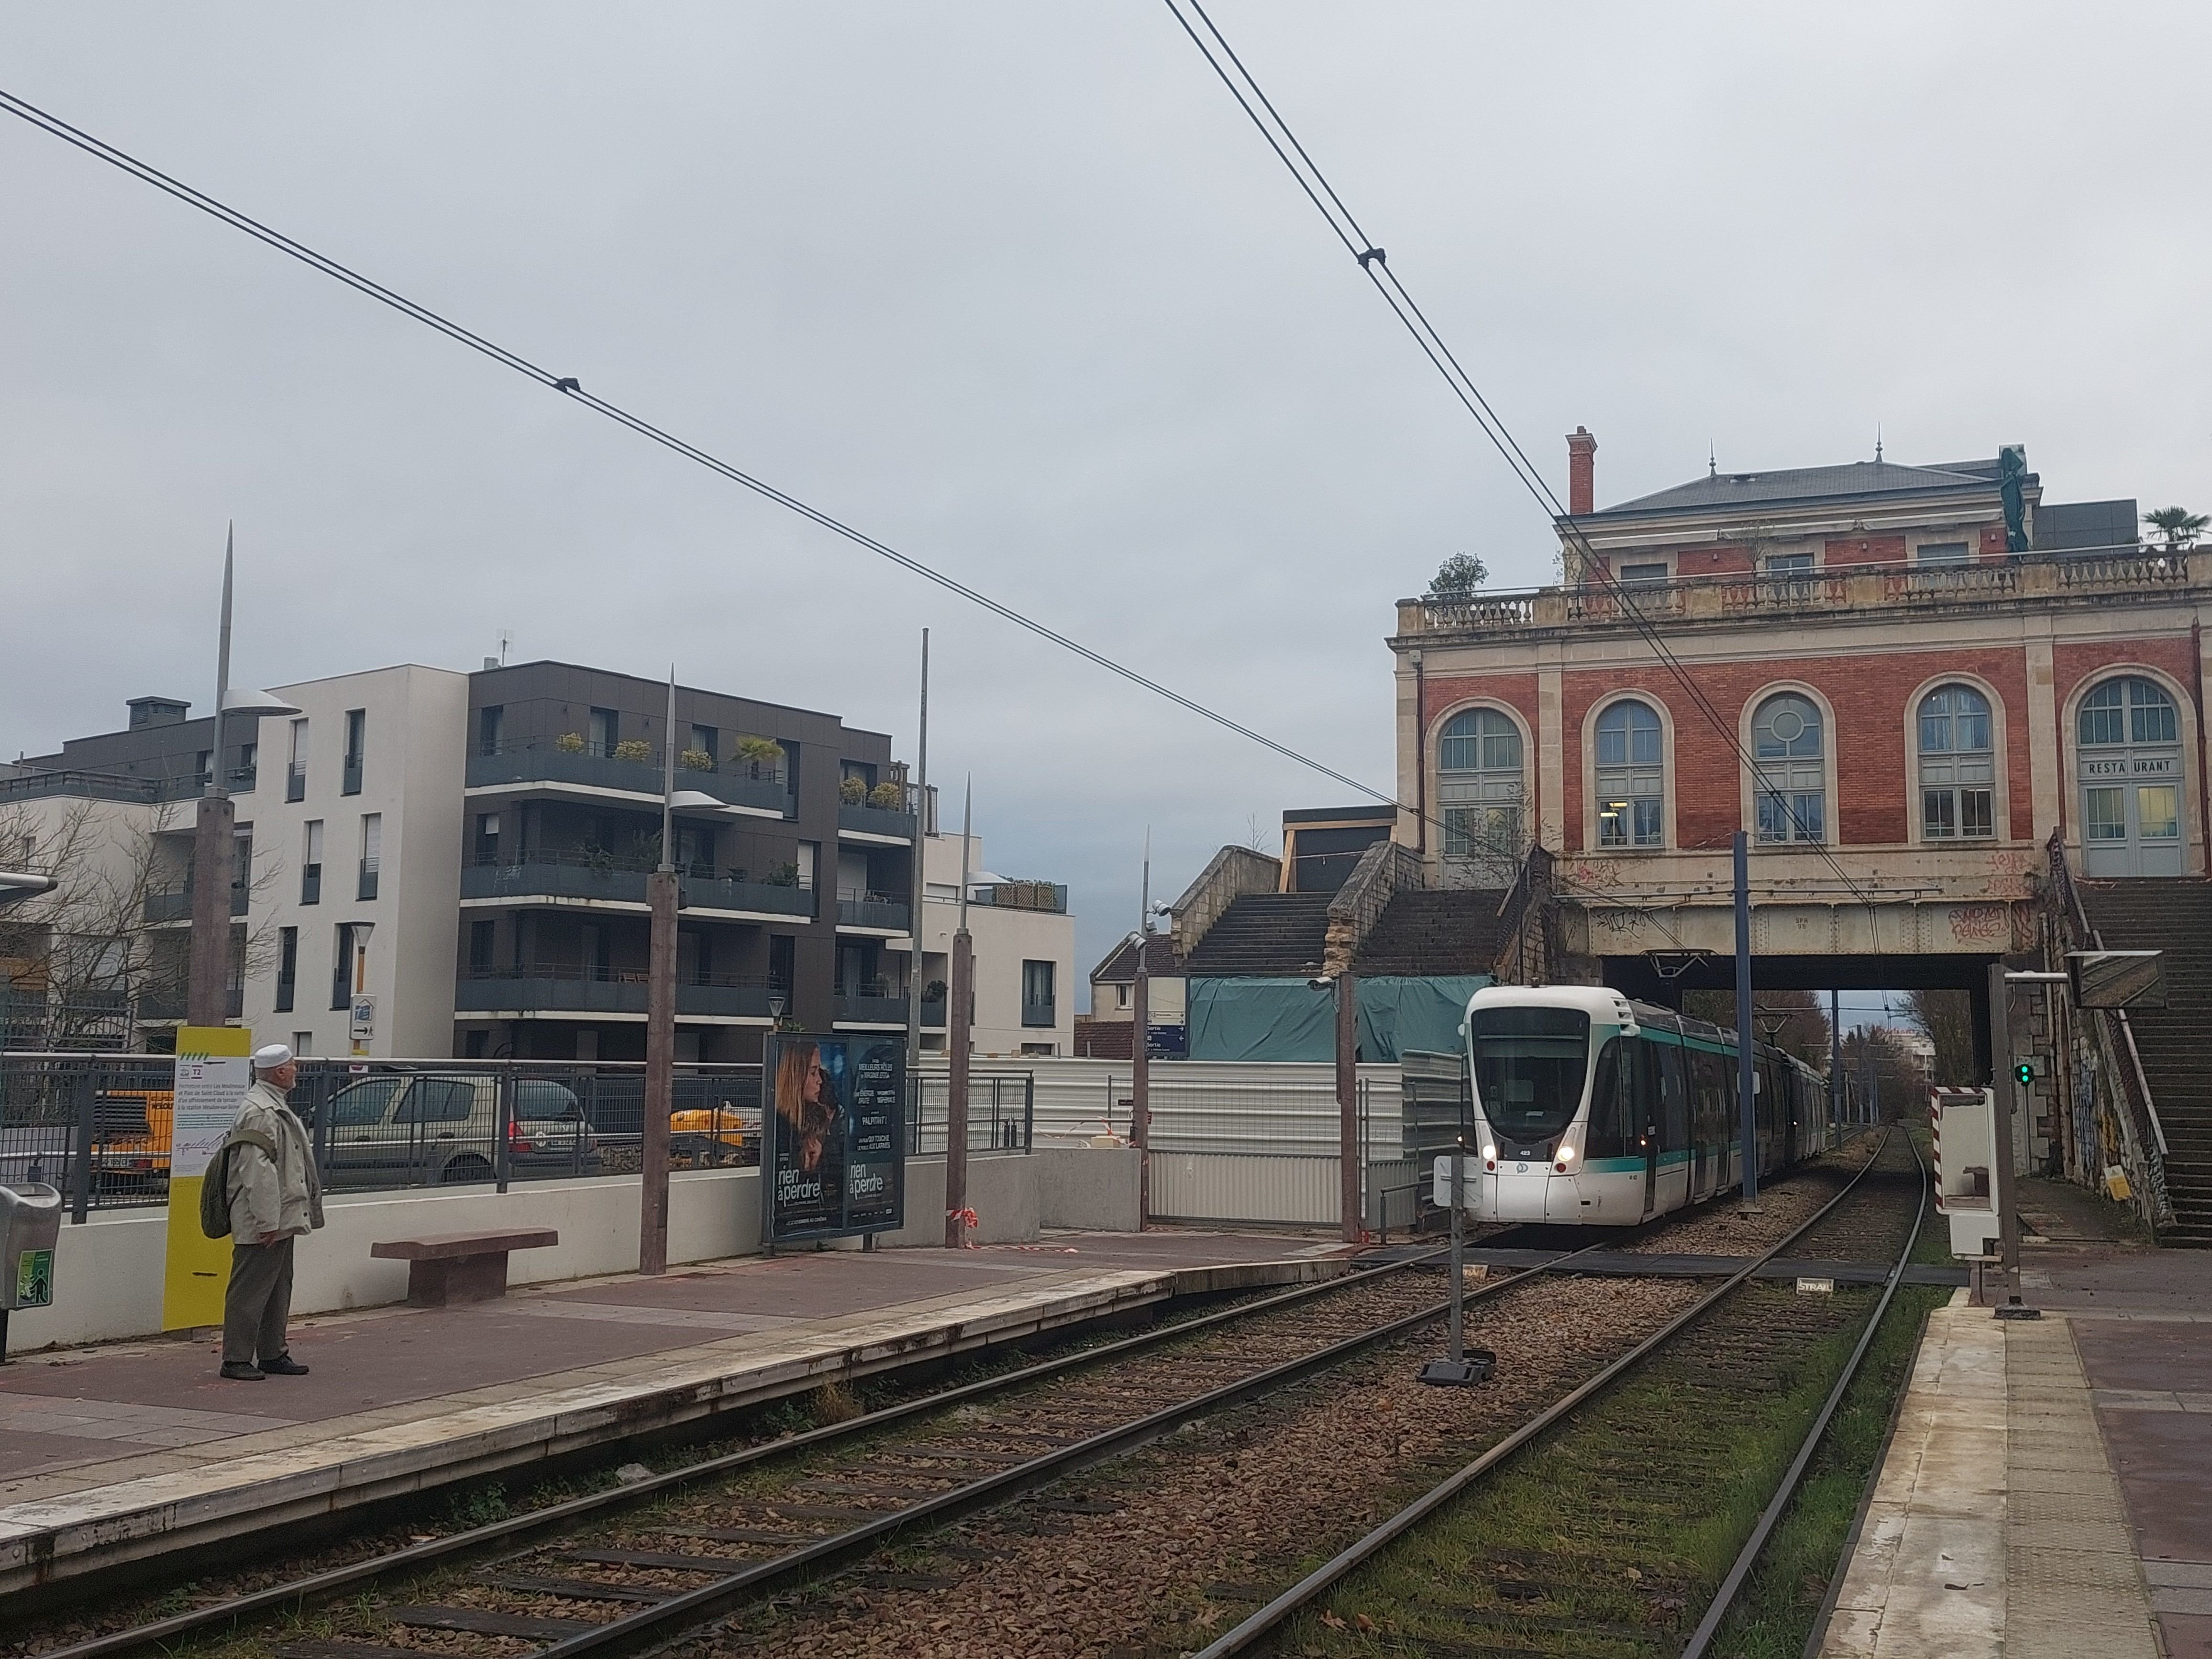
pixel 761 758
pixel 853 791
pixel 782 875
pixel 570 743
pixel 633 749
pixel 696 760
pixel 887 797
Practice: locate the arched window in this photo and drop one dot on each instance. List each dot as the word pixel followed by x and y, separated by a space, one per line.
pixel 2130 758
pixel 1958 765
pixel 1632 777
pixel 1479 787
pixel 1792 779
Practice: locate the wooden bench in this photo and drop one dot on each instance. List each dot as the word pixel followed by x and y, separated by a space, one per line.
pixel 447 1267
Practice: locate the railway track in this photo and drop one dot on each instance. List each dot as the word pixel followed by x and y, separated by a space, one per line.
pixel 1598 1528
pixel 633 1569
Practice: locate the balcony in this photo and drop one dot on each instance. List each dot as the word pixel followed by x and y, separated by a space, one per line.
pixel 1039 1014
pixel 1048 897
pixel 241 780
pixel 885 911
pixel 875 821
pixel 2098 574
pixel 932 1013
pixel 871 1004
pixel 526 762
pixel 545 878
pixel 175 903
pixel 567 988
pixel 98 786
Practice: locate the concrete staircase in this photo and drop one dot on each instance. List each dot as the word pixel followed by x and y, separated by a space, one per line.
pixel 2173 914
pixel 1264 935
pixel 1426 931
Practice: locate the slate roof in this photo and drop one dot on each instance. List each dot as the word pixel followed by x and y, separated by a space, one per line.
pixel 1119 967
pixel 1808 483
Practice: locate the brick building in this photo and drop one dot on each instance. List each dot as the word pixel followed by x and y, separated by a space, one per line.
pixel 1900 680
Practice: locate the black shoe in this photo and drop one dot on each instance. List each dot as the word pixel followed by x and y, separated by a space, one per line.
pixel 283 1365
pixel 239 1372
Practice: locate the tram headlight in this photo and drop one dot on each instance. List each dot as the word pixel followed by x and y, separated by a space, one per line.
pixel 1489 1153
pixel 1563 1160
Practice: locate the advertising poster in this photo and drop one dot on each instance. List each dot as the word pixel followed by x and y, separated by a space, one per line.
pixel 835 1140
pixel 214 1071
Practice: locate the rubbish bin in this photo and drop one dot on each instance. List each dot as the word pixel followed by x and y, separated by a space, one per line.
pixel 30 1229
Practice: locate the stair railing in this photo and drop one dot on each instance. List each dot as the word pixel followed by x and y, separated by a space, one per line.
pixel 1532 886
pixel 2116 1037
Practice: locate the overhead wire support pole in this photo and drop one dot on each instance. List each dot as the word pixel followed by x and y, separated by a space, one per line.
pixel 1140 1045
pixel 662 900
pixel 958 1039
pixel 1746 1077
pixel 918 885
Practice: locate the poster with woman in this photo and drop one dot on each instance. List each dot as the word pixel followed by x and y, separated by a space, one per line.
pixel 834 1160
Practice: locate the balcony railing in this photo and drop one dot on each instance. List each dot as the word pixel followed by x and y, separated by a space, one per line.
pixel 702 889
pixel 932 1012
pixel 856 909
pixel 1039 1013
pixel 366 888
pixel 99 786
pixel 175 903
pixel 311 884
pixel 1045 896
pixel 565 988
pixel 876 821
pixel 2116 572
pixel 296 782
pixel 531 761
pixel 872 1005
pixel 350 782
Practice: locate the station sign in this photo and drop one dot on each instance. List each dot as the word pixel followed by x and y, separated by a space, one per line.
pixel 833 1136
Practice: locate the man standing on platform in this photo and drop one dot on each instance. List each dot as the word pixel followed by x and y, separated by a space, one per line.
pixel 273 1197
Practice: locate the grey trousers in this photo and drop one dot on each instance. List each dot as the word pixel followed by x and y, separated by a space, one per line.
pixel 257 1302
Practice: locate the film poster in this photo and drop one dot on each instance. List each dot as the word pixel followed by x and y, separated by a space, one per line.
pixel 835 1119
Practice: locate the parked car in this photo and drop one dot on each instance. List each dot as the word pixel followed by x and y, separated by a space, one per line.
pixel 438 1129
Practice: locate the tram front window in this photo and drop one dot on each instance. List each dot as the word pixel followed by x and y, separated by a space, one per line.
pixel 1529 1066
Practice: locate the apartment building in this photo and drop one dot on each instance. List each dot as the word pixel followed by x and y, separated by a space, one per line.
pixel 471 851
pixel 1023 941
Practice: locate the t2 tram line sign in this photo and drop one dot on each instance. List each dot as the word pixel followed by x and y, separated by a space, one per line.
pixel 832 1146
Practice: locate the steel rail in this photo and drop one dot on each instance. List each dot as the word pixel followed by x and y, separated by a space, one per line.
pixel 992 1489
pixel 1264 1621
pixel 1724 1597
pixel 277 1596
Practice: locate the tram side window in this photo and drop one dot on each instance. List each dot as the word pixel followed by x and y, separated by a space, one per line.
pixel 1711 1073
pixel 1613 1101
pixel 1674 1096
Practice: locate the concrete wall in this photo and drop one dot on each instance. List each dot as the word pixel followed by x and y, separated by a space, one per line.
pixel 108 1272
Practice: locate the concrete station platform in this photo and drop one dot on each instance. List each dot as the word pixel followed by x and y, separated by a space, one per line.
pixel 122 1452
pixel 2048 1490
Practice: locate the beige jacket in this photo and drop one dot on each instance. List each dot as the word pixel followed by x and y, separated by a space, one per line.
pixel 278 1197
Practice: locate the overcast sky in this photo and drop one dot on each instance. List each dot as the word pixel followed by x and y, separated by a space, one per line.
pixel 1015 288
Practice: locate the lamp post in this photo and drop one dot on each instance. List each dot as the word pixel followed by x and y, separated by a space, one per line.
pixel 958 1037
pixel 663 899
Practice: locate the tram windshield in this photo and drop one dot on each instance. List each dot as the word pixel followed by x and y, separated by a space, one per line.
pixel 1529 1064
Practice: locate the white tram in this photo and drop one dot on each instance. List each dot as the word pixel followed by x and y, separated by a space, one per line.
pixel 1593 1109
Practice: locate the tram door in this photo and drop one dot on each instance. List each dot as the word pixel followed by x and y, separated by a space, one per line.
pixel 2131 776
pixel 1650 1114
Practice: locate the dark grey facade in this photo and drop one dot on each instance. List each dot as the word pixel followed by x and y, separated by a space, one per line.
pixel 791 888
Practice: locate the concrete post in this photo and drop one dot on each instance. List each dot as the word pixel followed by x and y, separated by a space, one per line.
pixel 659 1074
pixel 214 848
pixel 2003 1094
pixel 959 1038
pixel 1746 1077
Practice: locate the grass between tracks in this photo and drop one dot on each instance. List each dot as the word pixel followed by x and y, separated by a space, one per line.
pixel 1607 1539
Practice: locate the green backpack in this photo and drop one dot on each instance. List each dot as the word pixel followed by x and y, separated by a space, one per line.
pixel 214 1186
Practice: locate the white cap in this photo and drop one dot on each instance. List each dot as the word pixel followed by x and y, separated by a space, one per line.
pixel 269 1059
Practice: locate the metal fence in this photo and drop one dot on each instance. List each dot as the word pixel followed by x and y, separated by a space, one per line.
pixel 98 1125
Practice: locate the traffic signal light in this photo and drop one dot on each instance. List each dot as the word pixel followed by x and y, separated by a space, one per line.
pixel 2024 1073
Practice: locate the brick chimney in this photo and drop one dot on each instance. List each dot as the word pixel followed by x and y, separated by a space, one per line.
pixel 1581 472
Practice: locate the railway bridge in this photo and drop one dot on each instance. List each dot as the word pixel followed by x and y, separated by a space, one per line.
pixel 1957 723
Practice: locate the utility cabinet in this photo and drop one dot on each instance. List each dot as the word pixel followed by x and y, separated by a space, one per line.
pixel 1963 1122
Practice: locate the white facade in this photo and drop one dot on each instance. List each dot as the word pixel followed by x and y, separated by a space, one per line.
pixel 404 814
pixel 1017 951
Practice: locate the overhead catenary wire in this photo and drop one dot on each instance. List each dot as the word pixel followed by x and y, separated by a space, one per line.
pixel 1374 264
pixel 571 387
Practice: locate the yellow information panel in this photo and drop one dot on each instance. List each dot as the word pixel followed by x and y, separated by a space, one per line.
pixel 214 1068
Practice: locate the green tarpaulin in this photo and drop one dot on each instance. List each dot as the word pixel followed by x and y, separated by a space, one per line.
pixel 1288 1020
